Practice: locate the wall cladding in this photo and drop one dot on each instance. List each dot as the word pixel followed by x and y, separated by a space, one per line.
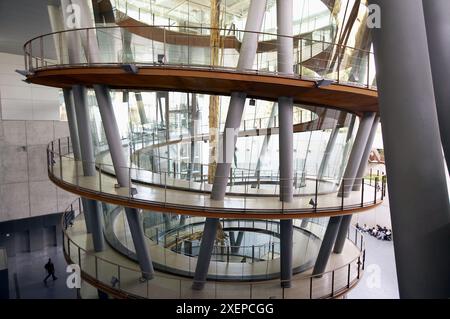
pixel 29 120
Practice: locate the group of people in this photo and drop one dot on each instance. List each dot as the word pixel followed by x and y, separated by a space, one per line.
pixel 382 233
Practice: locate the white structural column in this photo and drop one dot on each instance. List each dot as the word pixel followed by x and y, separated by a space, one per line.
pixel 418 195
pixel 247 55
pixel 437 25
pixel 356 154
pixel 114 142
pixel 285 58
pixel 237 102
pixel 366 154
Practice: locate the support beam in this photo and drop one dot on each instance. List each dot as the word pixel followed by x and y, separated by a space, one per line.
pixel 90 45
pixel 342 234
pixel 72 121
pixel 437 26
pixel 366 154
pixel 356 154
pixel 418 194
pixel 93 214
pixel 237 242
pixel 328 151
pixel 246 57
pixel 141 108
pixel 118 158
pixel 286 245
pixel 285 58
pixel 348 144
pixel 204 256
pixel 327 245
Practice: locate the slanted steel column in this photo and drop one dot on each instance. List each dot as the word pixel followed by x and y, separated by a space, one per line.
pixel 238 242
pixel 366 154
pixel 94 217
pixel 204 256
pixel 347 148
pixel 120 168
pixel 246 58
pixel 328 150
pixel 327 245
pixel 141 108
pixel 72 121
pixel 265 144
pixel 418 194
pixel 356 154
pixel 437 25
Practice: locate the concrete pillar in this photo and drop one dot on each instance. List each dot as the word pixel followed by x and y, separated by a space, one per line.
pixel 438 32
pixel 327 245
pixel 418 195
pixel 120 167
pixel 72 121
pixel 93 214
pixel 286 244
pixel 247 55
pixel 366 154
pixel 356 154
pixel 204 256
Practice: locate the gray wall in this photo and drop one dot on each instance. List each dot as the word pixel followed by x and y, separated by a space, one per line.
pixel 29 119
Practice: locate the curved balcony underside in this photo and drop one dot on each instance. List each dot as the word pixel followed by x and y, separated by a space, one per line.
pixel 211 81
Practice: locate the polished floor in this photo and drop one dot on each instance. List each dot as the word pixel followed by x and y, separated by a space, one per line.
pixel 26 275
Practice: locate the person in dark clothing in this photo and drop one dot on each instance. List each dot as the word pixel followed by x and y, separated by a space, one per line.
pixel 50 268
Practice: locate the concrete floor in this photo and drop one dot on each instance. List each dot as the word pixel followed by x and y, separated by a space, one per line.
pixel 30 273
pixel 380 276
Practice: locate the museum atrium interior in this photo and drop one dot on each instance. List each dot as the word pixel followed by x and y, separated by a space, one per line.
pixel 221 148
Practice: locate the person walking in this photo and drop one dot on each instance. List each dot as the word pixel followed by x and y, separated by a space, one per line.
pixel 50 268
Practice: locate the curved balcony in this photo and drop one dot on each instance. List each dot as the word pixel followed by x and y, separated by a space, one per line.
pixel 115 274
pixel 161 60
pixel 169 191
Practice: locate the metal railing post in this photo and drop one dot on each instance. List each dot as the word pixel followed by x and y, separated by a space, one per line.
pixel 375 192
pixel 332 283
pixel 348 275
pixel 316 197
pixel 362 193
